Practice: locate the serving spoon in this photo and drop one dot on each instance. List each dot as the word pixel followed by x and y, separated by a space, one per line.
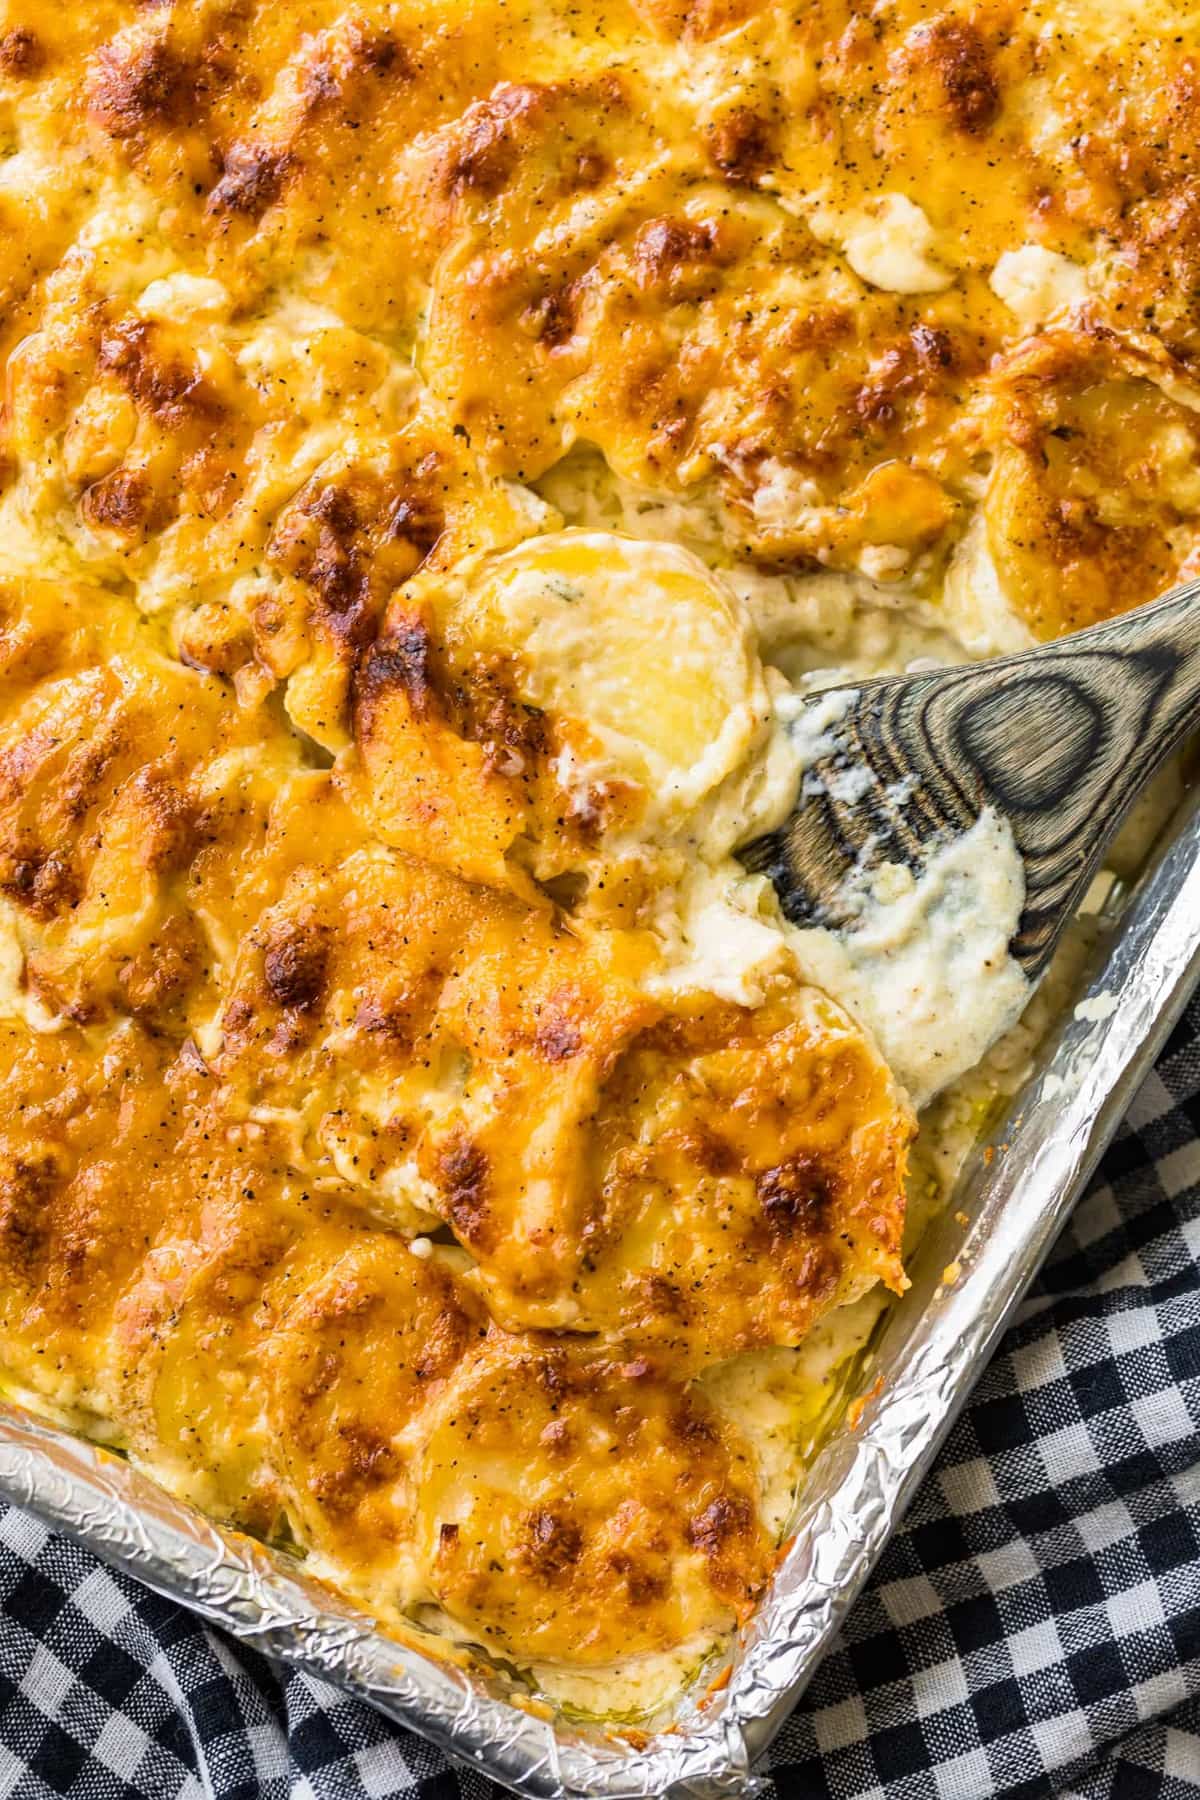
pixel 1059 740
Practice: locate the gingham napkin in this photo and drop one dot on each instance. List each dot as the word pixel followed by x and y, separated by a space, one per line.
pixel 1033 1630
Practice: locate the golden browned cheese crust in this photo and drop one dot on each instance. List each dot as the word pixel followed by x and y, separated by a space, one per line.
pixel 250 1051
pixel 360 1171
pixel 735 247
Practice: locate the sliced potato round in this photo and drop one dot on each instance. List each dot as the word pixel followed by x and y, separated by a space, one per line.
pixel 1093 503
pixel 193 1327
pixel 574 1508
pixel 582 703
pixel 738 1171
pixel 638 644
pixel 356 1361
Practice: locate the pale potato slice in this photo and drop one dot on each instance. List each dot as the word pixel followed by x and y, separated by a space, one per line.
pixel 640 644
pixel 586 705
pixel 348 1374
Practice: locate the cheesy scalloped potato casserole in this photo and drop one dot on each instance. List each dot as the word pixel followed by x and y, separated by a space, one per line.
pixel 439 442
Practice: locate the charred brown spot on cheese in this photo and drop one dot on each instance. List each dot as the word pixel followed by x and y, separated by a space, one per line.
pixel 1156 271
pixel 664 1299
pixel 1171 222
pixel 417 516
pixel 489 142
pixel 335 567
pixel 488 710
pixel 588 814
pixel 28 1186
pixel 320 85
pixel 935 347
pixel 402 1010
pixel 643 1584
pixel 253 179
pixel 1077 527
pixel 169 391
pixel 551 1544
pixel 555 1438
pixel 135 86
pixel 20 764
pixel 335 76
pixel 376 50
pixel 655 394
pixel 88 766
pixel 557 1038
pixel 796 1196
pixel 741 144
pixel 955 51
pixel 554 1374
pixel 170 826
pixel 448 1333
pixel 590 167
pixel 347 70
pixel 295 962
pixel 124 503
pixel 402 661
pixel 463 1173
pixel 21 52
pixel 677 254
pixel 712 1152
pixel 905 374
pixel 330 537
pixel 723 1533
pixel 160 975
pixel 724 1519
pixel 362 1460
pixel 355 539
pixel 43 882
pixel 551 316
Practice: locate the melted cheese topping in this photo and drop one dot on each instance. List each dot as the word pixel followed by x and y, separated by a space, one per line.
pixel 434 436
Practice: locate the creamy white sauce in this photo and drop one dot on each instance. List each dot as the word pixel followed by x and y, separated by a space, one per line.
pixel 1035 283
pixel 889 243
pixel 630 1690
pixel 1095 1010
pixel 721 934
pixel 925 962
pixel 926 965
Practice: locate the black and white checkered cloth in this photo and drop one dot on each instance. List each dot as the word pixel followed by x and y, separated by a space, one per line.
pixel 1033 1631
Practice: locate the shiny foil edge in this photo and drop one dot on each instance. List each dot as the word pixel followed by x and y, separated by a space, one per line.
pixel 1016 1191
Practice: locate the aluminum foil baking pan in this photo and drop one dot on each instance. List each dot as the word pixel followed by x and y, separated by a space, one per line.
pixel 1014 1194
